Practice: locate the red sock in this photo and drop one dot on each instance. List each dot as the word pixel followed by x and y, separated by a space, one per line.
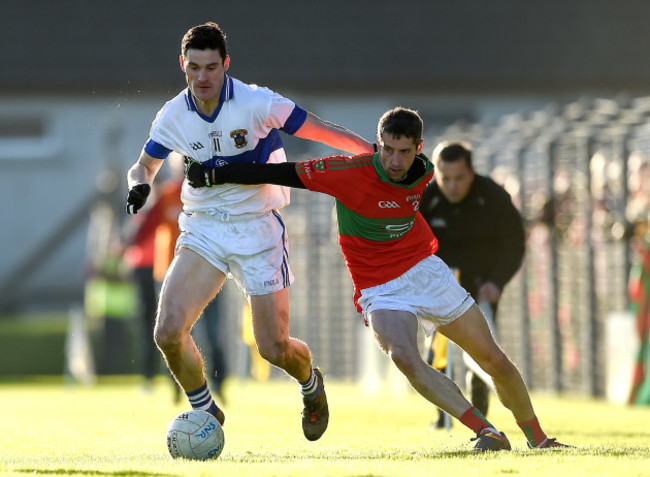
pixel 473 419
pixel 533 431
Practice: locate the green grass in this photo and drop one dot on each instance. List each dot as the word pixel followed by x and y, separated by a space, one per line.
pixel 116 429
pixel 20 336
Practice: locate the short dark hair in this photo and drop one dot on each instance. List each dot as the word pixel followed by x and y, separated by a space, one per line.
pixel 447 151
pixel 205 37
pixel 401 122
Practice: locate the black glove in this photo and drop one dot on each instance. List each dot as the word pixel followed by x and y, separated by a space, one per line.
pixel 137 198
pixel 199 175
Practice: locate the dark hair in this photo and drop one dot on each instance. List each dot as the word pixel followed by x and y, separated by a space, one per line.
pixel 452 152
pixel 205 37
pixel 401 122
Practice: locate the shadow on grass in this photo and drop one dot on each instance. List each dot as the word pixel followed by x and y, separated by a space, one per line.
pixel 116 473
pixel 430 454
pixel 402 456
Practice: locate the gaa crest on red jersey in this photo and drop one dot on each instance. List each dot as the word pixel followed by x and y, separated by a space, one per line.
pixel 320 165
pixel 239 136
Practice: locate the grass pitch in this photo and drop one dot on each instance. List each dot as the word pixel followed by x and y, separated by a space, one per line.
pixel 114 428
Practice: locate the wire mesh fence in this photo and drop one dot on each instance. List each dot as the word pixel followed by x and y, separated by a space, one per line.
pixel 574 171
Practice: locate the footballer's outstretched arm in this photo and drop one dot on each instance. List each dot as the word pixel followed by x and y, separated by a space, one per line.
pixel 339 137
pixel 283 174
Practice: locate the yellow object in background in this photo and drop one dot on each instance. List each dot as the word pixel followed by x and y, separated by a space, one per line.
pixel 439 346
pixel 110 299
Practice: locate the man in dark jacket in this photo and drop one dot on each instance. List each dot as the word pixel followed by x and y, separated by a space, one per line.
pixel 479 230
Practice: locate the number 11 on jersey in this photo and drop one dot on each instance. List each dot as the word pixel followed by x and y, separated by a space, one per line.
pixel 216 142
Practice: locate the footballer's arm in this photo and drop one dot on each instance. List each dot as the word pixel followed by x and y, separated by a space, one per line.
pixel 333 135
pixel 144 170
pixel 139 179
pixel 283 174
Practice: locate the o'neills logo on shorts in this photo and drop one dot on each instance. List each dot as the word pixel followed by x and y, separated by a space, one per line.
pixel 271 283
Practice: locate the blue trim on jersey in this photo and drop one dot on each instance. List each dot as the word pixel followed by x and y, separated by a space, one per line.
pixel 156 150
pixel 226 95
pixel 259 155
pixel 285 253
pixel 295 120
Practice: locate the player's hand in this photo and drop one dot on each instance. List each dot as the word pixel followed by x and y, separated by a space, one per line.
pixel 137 198
pixel 198 174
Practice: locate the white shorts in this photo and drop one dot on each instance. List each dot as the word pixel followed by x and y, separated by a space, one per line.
pixel 252 248
pixel 429 290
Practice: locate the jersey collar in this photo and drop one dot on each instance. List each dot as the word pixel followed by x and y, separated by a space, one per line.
pixel 226 95
pixel 428 167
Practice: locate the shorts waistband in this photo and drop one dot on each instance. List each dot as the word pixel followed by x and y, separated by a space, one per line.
pixel 227 217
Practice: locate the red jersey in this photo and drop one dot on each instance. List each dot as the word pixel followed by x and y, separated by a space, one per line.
pixel 139 253
pixel 381 232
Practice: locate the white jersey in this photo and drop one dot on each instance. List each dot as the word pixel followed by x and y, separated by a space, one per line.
pixel 244 128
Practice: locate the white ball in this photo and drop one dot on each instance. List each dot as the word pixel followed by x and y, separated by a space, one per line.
pixel 195 435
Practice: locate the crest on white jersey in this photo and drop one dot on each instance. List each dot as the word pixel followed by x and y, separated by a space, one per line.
pixel 239 136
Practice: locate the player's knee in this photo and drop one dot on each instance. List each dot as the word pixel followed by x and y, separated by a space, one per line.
pixel 167 336
pixel 165 339
pixel 275 352
pixel 405 360
pixel 497 364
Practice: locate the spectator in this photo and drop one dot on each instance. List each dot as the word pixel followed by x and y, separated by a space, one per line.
pixel 480 234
